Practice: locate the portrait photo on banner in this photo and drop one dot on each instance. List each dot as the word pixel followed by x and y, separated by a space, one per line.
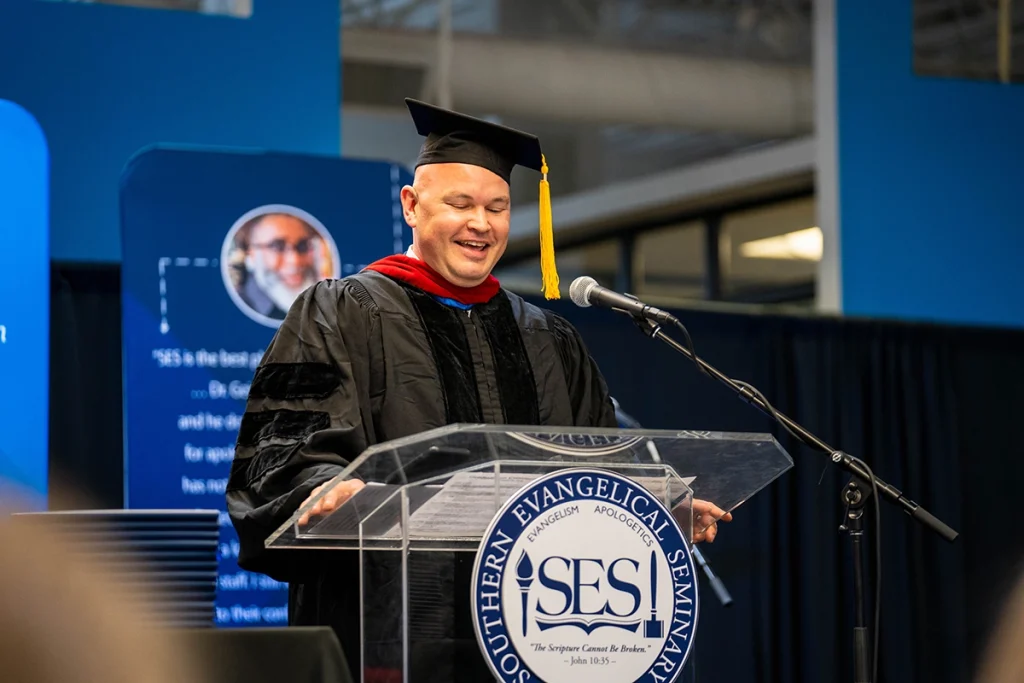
pixel 271 255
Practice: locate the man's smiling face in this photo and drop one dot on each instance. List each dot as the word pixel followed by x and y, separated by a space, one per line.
pixel 459 214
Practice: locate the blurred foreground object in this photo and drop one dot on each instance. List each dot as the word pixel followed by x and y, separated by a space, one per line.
pixel 167 558
pixel 289 654
pixel 64 617
pixel 1004 658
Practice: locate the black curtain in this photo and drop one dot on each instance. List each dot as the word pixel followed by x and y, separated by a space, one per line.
pixel 86 439
pixel 931 409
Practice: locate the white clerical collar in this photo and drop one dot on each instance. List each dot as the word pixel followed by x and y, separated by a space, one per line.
pixel 411 253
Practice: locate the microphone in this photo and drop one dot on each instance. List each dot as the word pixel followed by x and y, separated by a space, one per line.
pixel 584 291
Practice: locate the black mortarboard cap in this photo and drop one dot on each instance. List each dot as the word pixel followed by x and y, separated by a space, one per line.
pixel 454 138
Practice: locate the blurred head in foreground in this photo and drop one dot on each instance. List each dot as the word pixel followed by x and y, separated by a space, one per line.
pixel 64 620
pixel 1004 658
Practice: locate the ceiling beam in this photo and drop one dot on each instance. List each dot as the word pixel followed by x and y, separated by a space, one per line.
pixel 582 84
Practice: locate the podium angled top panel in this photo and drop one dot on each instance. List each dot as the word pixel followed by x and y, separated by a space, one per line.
pixel 405 475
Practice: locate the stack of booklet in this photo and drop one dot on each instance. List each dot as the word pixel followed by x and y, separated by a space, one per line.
pixel 168 558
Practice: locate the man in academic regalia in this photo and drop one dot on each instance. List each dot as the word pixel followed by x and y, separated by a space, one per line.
pixel 414 342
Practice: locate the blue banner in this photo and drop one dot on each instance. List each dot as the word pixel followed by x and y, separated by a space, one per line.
pixel 24 308
pixel 216 246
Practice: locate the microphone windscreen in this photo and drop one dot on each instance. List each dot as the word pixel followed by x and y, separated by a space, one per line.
pixel 579 290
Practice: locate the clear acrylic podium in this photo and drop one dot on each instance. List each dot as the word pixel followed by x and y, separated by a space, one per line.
pixel 430 498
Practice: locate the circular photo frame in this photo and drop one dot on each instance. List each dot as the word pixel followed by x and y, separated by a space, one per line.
pixel 271 255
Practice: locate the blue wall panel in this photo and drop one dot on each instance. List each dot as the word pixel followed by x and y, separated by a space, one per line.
pixel 930 180
pixel 24 309
pixel 106 81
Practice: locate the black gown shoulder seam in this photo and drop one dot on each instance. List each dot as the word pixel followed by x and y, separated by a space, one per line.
pixel 362 295
pixel 374 290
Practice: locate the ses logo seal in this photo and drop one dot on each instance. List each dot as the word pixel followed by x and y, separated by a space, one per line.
pixel 584 575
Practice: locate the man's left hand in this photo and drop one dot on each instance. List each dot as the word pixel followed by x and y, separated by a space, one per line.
pixel 706 516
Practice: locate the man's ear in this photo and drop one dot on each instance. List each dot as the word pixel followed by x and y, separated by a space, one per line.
pixel 409 202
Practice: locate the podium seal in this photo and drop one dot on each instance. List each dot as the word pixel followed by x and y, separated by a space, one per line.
pixel 584 575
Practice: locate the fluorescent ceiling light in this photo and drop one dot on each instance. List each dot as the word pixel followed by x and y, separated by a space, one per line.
pixel 800 245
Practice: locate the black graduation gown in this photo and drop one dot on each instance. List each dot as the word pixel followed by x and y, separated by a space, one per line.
pixel 368 359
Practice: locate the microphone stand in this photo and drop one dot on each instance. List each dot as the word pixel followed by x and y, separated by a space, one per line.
pixel 855 494
pixel 717 585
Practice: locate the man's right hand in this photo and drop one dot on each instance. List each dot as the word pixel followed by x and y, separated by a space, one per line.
pixel 333 500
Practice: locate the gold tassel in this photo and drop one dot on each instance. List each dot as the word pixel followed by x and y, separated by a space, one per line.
pixel 547 239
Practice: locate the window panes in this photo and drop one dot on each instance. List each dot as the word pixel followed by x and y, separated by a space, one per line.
pixel 669 262
pixel 773 247
pixel 973 39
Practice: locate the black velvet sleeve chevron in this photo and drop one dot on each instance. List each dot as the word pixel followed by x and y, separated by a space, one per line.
pixel 304 418
pixel 588 392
